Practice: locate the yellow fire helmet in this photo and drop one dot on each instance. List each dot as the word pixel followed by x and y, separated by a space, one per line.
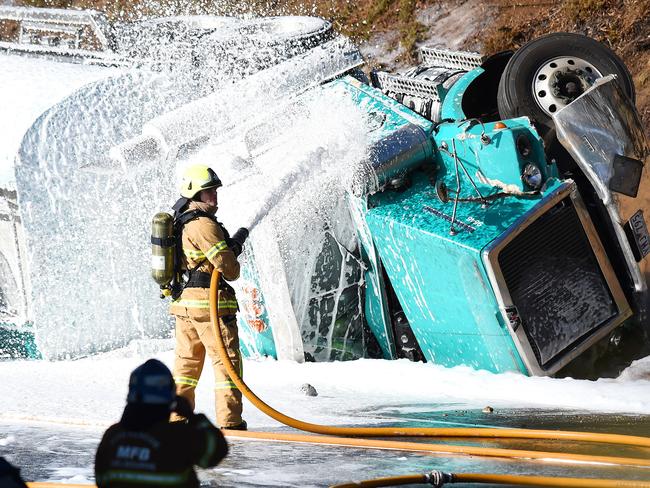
pixel 196 178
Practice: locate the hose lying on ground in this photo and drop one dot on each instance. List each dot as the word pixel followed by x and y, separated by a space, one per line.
pixel 343 433
pixel 439 479
pixel 637 441
pixel 438 448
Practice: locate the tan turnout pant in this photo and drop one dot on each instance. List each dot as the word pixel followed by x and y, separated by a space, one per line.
pixel 193 339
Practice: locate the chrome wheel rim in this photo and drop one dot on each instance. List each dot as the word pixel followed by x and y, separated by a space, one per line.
pixel 561 80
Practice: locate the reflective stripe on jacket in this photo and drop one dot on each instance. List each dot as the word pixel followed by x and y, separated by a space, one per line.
pixel 115 477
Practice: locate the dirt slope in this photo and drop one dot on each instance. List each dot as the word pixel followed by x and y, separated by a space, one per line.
pixel 623 25
pixel 390 31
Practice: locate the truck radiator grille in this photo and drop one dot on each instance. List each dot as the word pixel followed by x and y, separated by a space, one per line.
pixel 556 283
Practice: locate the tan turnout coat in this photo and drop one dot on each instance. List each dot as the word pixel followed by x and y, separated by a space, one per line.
pixel 204 242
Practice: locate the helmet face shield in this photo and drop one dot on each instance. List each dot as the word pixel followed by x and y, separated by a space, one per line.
pixel 196 178
pixel 214 182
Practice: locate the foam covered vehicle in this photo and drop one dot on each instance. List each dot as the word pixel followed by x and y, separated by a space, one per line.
pixel 496 219
pixel 500 211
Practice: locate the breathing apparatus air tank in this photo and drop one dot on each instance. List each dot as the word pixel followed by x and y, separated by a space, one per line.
pixel 163 245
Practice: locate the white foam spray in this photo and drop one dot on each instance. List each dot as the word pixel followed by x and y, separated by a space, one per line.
pixel 92 288
pixel 290 171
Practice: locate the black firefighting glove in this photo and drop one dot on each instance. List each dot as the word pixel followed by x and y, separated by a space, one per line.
pixel 237 240
pixel 10 476
pixel 182 407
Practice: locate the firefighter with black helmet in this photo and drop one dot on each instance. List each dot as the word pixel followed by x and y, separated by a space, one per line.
pixel 144 448
pixel 204 245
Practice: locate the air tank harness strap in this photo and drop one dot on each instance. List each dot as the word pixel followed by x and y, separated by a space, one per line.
pixel 200 279
pixel 163 241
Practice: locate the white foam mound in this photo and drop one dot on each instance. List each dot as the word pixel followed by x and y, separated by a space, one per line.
pixel 92 391
pixel 29 87
pixel 637 371
pixel 88 221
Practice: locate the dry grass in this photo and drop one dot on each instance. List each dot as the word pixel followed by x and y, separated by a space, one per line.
pixel 624 25
pixel 355 18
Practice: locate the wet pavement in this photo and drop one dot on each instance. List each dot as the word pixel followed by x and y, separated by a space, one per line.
pixel 65 453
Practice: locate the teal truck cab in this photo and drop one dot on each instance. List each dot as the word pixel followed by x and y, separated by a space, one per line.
pixel 500 211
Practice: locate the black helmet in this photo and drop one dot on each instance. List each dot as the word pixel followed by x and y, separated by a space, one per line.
pixel 151 384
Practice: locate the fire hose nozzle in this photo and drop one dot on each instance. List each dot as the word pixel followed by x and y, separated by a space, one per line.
pixel 238 239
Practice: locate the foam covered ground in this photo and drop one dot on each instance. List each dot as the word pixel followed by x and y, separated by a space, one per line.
pixel 52 415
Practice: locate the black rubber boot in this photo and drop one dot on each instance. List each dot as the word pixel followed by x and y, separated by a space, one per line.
pixel 242 426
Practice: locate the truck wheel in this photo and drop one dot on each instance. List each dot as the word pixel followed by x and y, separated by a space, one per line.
pixel 550 72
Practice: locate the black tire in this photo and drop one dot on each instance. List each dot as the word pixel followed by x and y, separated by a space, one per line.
pixel 517 95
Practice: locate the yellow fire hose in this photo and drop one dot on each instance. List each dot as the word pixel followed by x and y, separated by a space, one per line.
pixel 439 479
pixel 404 431
pixel 414 479
pixel 424 432
pixel 437 448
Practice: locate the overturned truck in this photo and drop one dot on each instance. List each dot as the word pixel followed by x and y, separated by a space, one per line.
pixel 496 219
pixel 508 232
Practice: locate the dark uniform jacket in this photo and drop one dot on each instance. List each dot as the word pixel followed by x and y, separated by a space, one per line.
pixel 10 476
pixel 164 455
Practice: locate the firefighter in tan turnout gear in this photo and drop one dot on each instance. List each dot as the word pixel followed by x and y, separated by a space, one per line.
pixel 206 245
